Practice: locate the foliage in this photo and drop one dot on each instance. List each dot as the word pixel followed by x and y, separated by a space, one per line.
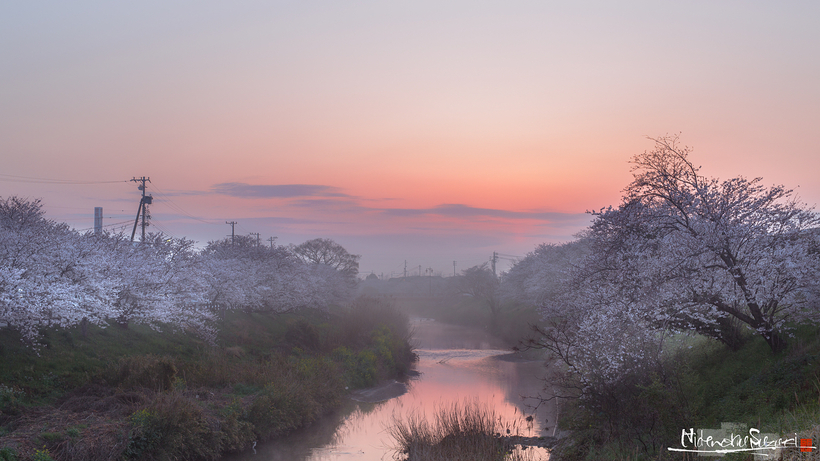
pixel 145 394
pixel 686 252
pixel 48 273
pixel 682 254
pixel 10 400
pixel 536 280
pixel 8 454
pixel 699 384
pixel 52 276
pixel 172 427
pixel 329 253
pixel 42 455
pixel 481 283
pixel 242 274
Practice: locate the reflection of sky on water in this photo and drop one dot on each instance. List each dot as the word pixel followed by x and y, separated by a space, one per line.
pixel 457 364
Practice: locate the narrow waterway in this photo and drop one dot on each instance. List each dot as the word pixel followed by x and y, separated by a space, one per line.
pixel 456 364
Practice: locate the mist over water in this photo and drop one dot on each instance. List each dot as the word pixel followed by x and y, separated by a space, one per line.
pixel 456 364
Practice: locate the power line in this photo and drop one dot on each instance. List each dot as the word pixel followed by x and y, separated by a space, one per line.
pixel 167 200
pixel 107 225
pixel 27 179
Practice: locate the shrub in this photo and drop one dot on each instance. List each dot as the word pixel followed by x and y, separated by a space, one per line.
pixel 171 427
pixel 10 400
pixel 235 431
pixel 280 408
pixel 8 454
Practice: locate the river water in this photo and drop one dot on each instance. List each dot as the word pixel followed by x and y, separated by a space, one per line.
pixel 456 365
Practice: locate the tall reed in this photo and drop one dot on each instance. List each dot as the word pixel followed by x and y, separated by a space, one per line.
pixel 467 431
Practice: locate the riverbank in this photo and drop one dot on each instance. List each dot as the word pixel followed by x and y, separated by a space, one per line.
pixel 135 393
pixel 701 384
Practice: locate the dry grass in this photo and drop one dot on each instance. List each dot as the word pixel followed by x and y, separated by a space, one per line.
pixel 468 431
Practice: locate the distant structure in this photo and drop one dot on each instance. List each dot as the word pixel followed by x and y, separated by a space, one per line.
pixel 98 220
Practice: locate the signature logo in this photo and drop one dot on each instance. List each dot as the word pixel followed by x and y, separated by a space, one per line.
pixel 737 438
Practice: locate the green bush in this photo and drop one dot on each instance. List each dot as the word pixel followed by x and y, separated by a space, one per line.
pixel 8 454
pixel 10 400
pixel 280 408
pixel 171 427
pixel 235 431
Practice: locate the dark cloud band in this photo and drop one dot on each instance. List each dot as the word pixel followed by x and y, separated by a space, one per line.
pixel 239 189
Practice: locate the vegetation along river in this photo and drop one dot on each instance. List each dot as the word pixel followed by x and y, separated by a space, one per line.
pixel 456 365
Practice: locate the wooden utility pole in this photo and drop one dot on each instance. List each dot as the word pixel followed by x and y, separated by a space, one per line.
pixel 257 237
pixel 144 202
pixel 233 234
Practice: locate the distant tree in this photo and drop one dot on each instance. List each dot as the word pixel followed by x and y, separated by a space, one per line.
pixel 537 278
pixel 480 283
pixel 244 275
pixel 331 254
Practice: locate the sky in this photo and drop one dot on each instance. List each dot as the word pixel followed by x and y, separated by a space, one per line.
pixel 430 132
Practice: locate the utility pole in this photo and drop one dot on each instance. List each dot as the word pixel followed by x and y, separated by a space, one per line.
pixel 271 240
pixel 405 268
pixel 257 237
pixel 495 258
pixel 144 202
pixel 233 234
pixel 454 268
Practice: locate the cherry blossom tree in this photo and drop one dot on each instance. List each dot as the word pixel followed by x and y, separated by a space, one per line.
pixel 537 279
pixel 684 251
pixel 244 275
pixel 159 281
pixel 48 273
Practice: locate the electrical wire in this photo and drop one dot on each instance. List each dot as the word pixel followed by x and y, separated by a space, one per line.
pixel 166 199
pixel 28 179
pixel 107 225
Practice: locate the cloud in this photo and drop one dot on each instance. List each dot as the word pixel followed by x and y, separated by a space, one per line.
pixel 239 189
pixel 465 211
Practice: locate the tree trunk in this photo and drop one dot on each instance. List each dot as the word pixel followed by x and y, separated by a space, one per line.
pixel 775 340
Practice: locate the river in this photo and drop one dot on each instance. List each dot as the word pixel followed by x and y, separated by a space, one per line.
pixel 456 365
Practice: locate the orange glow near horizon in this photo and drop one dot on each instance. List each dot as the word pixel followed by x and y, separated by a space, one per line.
pixel 447 131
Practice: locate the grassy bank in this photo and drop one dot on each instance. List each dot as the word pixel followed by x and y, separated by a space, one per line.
pixel 701 384
pixel 128 394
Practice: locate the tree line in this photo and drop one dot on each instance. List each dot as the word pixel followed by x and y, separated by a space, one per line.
pixel 54 276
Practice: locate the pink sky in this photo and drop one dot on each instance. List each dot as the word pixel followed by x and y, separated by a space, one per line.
pixel 420 131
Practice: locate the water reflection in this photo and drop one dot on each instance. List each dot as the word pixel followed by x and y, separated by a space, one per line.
pixel 455 364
